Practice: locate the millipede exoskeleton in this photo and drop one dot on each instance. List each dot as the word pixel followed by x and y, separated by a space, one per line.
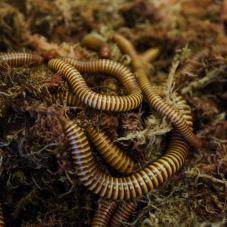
pixel 93 99
pixel 129 187
pixel 67 98
pixel 104 212
pixel 19 59
pixel 152 97
pixel 94 42
pixel 119 161
pixel 111 153
pixel 122 214
pixel 2 223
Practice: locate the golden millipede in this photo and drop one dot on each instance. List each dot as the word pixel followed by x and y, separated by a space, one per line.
pixel 129 187
pixel 111 153
pixel 122 214
pixel 104 212
pixel 94 42
pixel 2 223
pixel 19 59
pixel 66 98
pixel 153 97
pixel 93 99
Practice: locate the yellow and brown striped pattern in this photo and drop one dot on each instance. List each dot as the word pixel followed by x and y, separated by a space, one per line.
pixel 129 187
pixel 104 212
pixel 111 153
pixel 19 59
pixel 152 96
pixel 93 99
pixel 66 98
pixel 2 223
pixel 122 214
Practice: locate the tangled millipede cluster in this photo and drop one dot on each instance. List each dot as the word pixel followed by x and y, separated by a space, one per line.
pixel 134 183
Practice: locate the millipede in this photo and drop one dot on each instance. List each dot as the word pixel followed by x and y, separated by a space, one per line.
pixel 133 184
pixel 122 214
pixel 104 212
pixel 111 153
pixel 119 161
pixel 19 59
pixel 66 97
pixel 129 187
pixel 151 95
pixel 94 42
pixel 2 223
pixel 93 99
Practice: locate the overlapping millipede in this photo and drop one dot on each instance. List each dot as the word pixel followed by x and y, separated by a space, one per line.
pixel 91 98
pixel 135 184
pixel 124 188
pixel 152 96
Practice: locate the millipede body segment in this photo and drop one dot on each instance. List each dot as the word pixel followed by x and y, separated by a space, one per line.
pixel 153 97
pixel 19 59
pixel 67 98
pixel 1 217
pixel 111 153
pixel 122 214
pixel 104 212
pixel 93 99
pixel 129 187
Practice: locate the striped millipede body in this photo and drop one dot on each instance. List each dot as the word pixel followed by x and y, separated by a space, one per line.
pixel 111 153
pixel 104 212
pixel 93 99
pixel 122 214
pixel 153 97
pixel 129 187
pixel 67 98
pixel 94 42
pixel 19 59
pixel 1 217
pixel 122 163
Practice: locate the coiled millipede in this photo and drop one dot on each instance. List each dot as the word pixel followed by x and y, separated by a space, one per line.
pixel 19 59
pixel 129 187
pixel 1 217
pixel 93 99
pixel 151 95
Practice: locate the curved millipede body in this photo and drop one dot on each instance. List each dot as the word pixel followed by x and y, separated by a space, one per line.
pixel 93 99
pixel 1 217
pixel 94 42
pixel 119 161
pixel 128 187
pixel 122 214
pixel 151 54
pixel 111 153
pixel 67 98
pixel 104 212
pixel 19 59
pixel 153 97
